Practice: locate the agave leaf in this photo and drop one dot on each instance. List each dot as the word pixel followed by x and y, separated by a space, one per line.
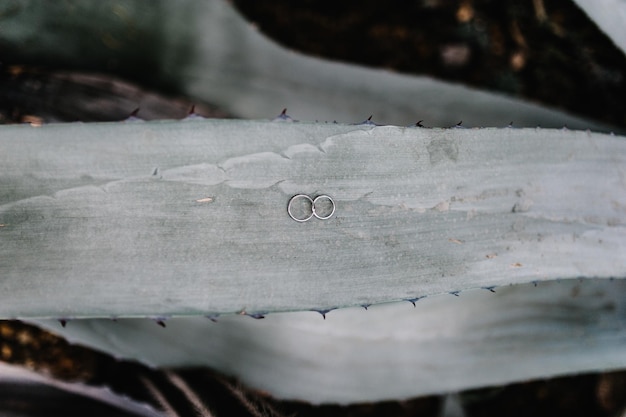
pixel 160 219
pixel 27 393
pixel 205 50
pixel 392 351
pixel 610 16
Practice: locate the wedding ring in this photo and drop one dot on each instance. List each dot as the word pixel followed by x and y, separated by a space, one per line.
pixel 290 207
pixel 316 207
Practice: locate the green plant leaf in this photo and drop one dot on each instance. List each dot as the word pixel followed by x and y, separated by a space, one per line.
pixel 206 50
pixel 392 351
pixel 170 218
pixel 167 218
pixel 610 16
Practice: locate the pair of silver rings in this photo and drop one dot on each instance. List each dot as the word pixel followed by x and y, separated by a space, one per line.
pixel 322 207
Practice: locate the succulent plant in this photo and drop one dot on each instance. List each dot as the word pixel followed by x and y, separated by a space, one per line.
pixel 514 237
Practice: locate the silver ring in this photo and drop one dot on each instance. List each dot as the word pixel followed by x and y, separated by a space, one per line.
pixel 313 209
pixel 331 202
pixel 291 202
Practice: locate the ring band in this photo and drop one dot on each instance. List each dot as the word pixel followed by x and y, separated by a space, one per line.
pixel 331 202
pixel 314 212
pixel 295 197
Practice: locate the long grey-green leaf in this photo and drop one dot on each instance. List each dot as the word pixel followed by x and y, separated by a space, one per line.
pixel 394 351
pixel 69 397
pixel 170 218
pixel 610 16
pixel 204 49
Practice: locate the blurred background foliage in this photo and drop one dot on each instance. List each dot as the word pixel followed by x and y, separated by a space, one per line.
pixel 543 51
pixel 540 51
